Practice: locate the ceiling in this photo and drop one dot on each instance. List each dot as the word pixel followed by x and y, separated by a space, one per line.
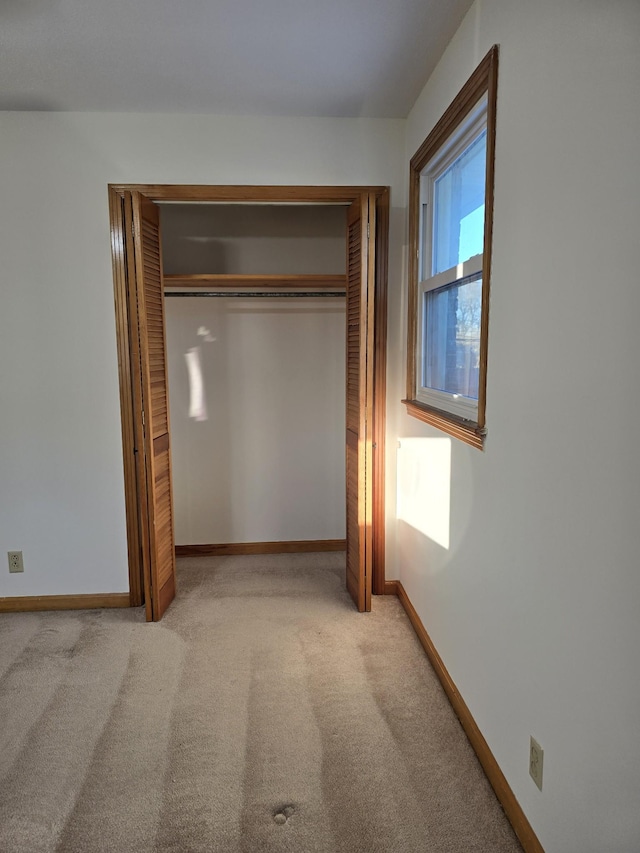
pixel 236 57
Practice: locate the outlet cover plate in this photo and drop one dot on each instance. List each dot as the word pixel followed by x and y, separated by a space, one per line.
pixel 15 561
pixel 536 755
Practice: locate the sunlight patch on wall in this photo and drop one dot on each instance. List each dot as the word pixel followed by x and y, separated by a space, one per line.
pixel 197 394
pixel 197 401
pixel 424 486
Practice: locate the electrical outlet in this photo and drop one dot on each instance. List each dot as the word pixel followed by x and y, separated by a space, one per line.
pixel 15 561
pixel 536 755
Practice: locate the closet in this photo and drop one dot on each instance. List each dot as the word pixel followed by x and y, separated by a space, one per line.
pixel 255 340
pixel 258 432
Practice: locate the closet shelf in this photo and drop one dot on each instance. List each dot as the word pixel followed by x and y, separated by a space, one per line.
pixel 237 281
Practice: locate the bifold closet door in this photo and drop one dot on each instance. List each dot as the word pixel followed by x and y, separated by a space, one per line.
pixel 359 420
pixel 152 410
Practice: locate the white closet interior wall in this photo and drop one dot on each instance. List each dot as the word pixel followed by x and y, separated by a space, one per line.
pixel 263 458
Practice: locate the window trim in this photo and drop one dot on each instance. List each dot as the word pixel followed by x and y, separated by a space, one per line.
pixel 482 83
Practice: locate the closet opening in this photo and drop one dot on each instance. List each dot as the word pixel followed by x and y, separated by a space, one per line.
pixel 263 310
pixel 254 304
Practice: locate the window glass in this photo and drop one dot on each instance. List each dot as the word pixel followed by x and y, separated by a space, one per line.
pixel 450 211
pixel 451 358
pixel 458 216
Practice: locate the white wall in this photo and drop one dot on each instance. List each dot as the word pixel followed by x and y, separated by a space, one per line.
pixel 267 462
pixel 61 492
pixel 533 601
pixel 265 239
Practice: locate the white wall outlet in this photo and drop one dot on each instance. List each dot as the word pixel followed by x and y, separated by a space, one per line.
pixel 536 754
pixel 15 561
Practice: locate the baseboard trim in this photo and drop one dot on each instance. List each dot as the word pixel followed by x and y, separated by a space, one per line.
pixel 505 795
pixel 26 603
pixel 234 548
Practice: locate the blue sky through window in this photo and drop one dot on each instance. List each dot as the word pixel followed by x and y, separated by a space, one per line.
pixel 472 233
pixel 458 221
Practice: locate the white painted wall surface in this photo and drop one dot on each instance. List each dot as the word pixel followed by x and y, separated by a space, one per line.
pixel 533 605
pixel 263 460
pixel 265 239
pixel 267 462
pixel 59 418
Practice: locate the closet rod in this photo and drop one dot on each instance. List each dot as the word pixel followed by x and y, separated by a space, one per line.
pixel 298 294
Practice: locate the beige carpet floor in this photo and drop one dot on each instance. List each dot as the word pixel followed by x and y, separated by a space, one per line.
pixel 262 714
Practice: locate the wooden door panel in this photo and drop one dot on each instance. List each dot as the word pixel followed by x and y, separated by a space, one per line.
pixel 164 525
pixel 354 266
pixel 355 583
pixel 359 398
pixel 159 569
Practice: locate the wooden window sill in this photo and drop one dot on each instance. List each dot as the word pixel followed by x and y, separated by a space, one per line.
pixel 466 431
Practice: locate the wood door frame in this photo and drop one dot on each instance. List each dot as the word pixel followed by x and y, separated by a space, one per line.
pixel 127 345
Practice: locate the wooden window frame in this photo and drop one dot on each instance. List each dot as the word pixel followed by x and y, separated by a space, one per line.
pixel 482 83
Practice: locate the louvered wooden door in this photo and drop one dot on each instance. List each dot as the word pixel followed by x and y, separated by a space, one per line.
pixel 157 516
pixel 360 337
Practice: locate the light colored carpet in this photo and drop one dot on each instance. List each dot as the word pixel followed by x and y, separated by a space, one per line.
pixel 263 714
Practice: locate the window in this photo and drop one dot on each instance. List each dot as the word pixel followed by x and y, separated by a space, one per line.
pixel 451 211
